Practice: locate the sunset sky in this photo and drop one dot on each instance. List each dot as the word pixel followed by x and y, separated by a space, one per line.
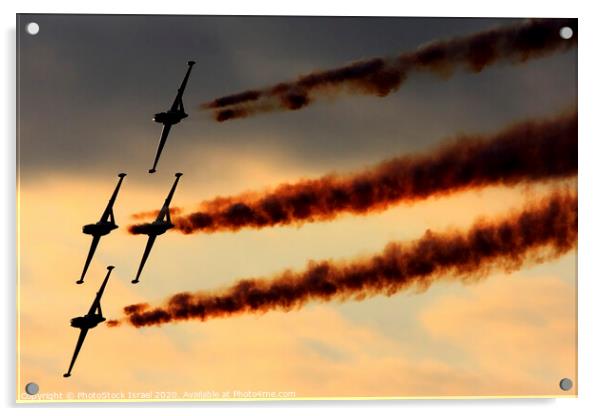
pixel 88 87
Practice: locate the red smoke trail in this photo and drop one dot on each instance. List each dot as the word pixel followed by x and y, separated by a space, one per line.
pixel 543 230
pixel 380 76
pixel 528 151
pixel 152 214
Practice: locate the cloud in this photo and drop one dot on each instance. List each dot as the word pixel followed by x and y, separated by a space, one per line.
pixel 224 353
pixel 520 330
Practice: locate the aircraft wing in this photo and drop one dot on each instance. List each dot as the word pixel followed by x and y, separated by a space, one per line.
pixel 178 101
pixel 147 250
pixel 78 346
pixel 162 140
pixel 95 241
pixel 164 213
pixel 108 212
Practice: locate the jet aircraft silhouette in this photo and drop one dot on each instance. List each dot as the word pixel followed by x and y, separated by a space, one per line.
pixel 88 321
pixel 170 117
pixel 101 228
pixel 161 224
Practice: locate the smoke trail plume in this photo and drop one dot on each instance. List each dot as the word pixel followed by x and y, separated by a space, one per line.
pixel 544 230
pixel 528 151
pixel 514 43
pixel 151 214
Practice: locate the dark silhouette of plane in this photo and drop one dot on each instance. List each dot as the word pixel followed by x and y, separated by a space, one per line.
pixel 161 224
pixel 88 321
pixel 102 227
pixel 172 116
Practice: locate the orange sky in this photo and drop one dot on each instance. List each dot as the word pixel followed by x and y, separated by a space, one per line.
pixel 85 109
pixel 506 335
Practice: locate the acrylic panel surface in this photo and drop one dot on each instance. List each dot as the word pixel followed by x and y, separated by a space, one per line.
pixel 367 207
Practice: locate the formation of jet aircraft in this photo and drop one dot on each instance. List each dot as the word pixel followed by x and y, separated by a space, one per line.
pixel 107 223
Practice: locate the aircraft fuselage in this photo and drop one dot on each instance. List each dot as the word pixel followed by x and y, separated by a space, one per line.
pixel 170 117
pixel 87 321
pixel 155 228
pixel 99 229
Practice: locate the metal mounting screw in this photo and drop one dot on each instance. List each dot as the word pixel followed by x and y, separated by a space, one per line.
pixel 566 384
pixel 32 388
